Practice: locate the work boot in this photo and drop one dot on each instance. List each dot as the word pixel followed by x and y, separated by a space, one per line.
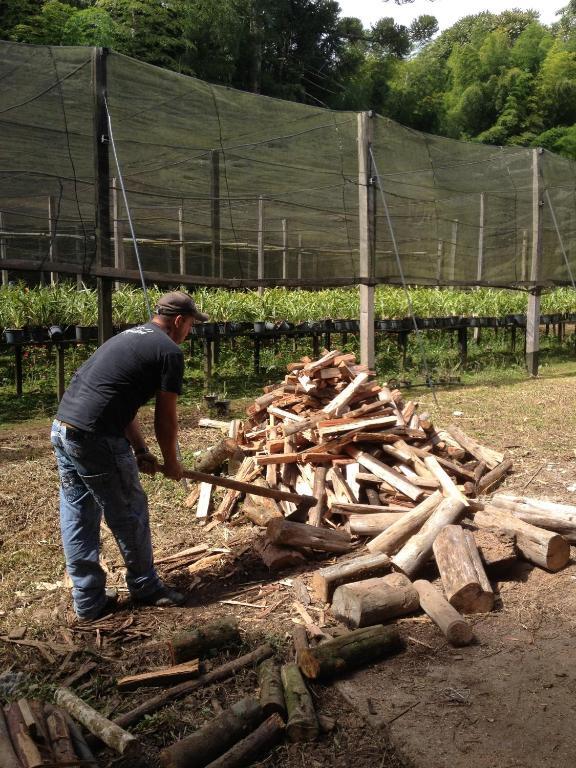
pixel 164 597
pixel 108 607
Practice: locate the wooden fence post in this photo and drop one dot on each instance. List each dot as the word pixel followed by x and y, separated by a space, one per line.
pixel 102 193
pixel 533 314
pixel 260 243
pixel 366 209
pixel 217 260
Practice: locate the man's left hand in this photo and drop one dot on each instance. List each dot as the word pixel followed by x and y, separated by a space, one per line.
pixel 147 463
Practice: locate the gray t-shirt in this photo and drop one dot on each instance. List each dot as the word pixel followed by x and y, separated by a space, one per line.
pixel 106 392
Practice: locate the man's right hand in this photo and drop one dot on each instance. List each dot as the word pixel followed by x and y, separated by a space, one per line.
pixel 173 469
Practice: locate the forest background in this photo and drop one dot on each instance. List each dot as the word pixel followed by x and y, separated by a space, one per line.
pixel 494 78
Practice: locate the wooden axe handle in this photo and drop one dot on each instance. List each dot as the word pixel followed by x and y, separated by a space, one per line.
pixel 253 490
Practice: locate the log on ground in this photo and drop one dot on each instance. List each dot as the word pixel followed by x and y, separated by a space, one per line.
pixel 326 580
pixel 302 722
pixel 372 601
pixel 8 758
pixel 271 691
pixel 187 646
pixel 214 738
pixel 302 535
pixel 277 558
pixel 560 518
pixel 453 626
pixel 253 746
pixel 463 576
pixel 107 731
pixel 543 548
pixel 337 656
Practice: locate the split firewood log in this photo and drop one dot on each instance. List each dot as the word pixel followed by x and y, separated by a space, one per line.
pixel 252 746
pixel 397 534
pixel 312 537
pixel 463 576
pixel 271 690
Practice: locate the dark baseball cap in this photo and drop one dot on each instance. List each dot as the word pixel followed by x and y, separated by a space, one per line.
pixel 178 303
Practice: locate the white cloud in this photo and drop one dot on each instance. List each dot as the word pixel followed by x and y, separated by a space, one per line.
pixel 446 11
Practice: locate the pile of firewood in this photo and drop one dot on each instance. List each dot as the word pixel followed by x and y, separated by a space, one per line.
pixel 366 469
pixel 34 734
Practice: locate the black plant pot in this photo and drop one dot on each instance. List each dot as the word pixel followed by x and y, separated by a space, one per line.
pixel 14 335
pixel 37 334
pixel 56 333
pixel 86 333
pixel 222 407
pixel 259 326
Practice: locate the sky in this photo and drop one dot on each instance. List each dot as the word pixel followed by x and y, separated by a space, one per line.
pixel 446 11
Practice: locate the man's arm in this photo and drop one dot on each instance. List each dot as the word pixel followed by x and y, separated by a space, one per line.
pixel 146 461
pixel 166 429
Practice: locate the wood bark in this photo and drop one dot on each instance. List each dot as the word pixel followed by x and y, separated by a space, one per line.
pixel 184 689
pixel 487 481
pixel 543 548
pixel 490 457
pixel 317 512
pixel 160 677
pixel 216 737
pixel 342 490
pixel 301 535
pixel 299 639
pixel 213 458
pixel 80 745
pixel 372 601
pixel 394 537
pixel 453 626
pixel 447 484
pixel 417 550
pixel 326 580
pixel 29 753
pixel 463 576
pixel 384 472
pixel 277 558
pixel 339 655
pixel 246 470
pixel 497 551
pixel 371 525
pixel 302 722
pixel 107 731
pixel 8 757
pixel 257 743
pixel 271 691
pixel 60 738
pixel 186 646
pixel 560 518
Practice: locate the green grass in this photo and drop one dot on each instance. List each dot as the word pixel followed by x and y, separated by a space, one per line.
pixel 434 354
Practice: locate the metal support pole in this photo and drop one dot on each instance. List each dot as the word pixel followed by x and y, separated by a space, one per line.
pixel 439 261
pixel 102 194
pixel 366 201
pixel 480 264
pixel 217 260
pixel 181 247
pixel 533 314
pixel 60 381
pixel 52 247
pixel 3 249
pixel 284 249
pixel 299 264
pixel 18 369
pixel 524 263
pixel 453 250
pixel 463 344
pixel 119 260
pixel 260 243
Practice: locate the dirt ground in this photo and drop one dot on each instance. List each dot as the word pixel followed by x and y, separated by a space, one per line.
pixel 507 700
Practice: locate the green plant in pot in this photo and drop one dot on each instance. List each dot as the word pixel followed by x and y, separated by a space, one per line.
pixel 14 313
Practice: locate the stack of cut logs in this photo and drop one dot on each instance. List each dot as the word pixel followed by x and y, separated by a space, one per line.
pixel 34 734
pixel 370 469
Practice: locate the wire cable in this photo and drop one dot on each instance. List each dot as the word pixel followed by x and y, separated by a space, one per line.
pixel 404 284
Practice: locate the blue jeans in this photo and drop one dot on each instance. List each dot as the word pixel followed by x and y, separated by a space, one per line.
pixel 99 476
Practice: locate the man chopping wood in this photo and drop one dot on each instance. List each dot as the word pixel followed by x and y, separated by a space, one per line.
pixel 100 448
